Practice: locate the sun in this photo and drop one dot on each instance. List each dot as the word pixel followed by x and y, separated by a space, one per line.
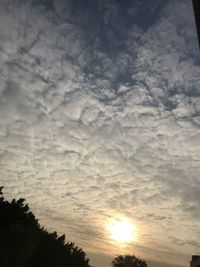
pixel 121 231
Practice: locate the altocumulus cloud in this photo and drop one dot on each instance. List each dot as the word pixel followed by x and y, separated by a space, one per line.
pixel 100 115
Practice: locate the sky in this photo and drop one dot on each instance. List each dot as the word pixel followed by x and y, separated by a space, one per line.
pixel 100 120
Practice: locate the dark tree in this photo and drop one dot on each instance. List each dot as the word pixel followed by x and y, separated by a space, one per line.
pixel 19 232
pixel 128 261
pixel 24 243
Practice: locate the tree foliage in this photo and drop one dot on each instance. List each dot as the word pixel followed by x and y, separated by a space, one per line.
pixel 24 243
pixel 128 261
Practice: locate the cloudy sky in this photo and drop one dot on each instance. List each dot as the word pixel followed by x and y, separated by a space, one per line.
pixel 100 119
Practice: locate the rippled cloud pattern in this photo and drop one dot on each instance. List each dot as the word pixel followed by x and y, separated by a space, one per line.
pixel 100 116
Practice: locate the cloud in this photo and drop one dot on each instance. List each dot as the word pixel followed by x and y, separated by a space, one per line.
pixel 100 117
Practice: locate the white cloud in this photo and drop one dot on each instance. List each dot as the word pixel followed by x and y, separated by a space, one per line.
pixel 94 125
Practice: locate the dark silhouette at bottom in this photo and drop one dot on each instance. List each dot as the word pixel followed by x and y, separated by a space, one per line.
pixel 24 243
pixel 128 261
pixel 195 262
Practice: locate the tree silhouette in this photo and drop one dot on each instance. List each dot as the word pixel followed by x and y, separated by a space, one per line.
pixel 128 261
pixel 19 232
pixel 24 243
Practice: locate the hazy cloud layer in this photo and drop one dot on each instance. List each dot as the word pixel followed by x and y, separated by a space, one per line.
pixel 100 116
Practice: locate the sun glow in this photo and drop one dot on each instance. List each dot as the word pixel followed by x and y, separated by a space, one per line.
pixel 121 231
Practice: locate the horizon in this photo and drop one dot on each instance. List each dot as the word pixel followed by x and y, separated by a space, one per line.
pixel 23 218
